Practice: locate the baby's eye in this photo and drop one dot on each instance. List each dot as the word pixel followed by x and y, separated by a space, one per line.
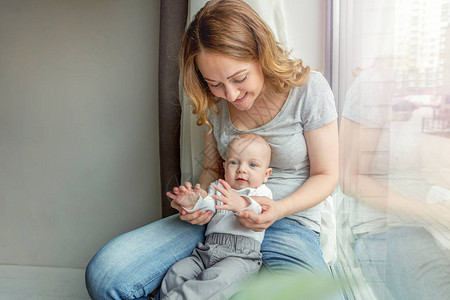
pixel 253 165
pixel 233 162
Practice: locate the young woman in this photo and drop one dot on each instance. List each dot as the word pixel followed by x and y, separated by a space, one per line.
pixel 240 80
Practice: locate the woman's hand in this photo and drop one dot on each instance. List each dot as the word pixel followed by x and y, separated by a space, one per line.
pixel 197 217
pixel 271 212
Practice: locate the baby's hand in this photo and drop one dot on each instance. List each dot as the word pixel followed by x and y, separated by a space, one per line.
pixel 231 200
pixel 185 196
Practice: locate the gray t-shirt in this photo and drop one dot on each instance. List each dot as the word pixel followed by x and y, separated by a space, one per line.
pixel 307 108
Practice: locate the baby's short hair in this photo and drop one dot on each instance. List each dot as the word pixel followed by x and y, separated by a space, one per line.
pixel 248 138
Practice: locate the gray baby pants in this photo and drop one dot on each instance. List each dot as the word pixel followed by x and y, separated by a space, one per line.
pixel 215 270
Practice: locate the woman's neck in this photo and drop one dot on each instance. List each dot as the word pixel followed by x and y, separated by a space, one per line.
pixel 262 112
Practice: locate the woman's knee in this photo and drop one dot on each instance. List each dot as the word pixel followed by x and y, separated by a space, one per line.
pixel 102 274
pixel 93 278
pixel 99 280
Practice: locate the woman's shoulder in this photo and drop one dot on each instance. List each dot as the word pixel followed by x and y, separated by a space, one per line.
pixel 317 106
pixel 315 85
pixel 317 80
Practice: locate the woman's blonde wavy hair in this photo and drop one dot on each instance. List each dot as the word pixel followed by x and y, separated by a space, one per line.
pixel 234 29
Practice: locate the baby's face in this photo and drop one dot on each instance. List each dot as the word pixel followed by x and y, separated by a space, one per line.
pixel 247 165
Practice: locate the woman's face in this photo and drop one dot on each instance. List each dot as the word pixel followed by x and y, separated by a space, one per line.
pixel 239 82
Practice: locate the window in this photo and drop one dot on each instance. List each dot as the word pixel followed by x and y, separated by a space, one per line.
pixel 393 200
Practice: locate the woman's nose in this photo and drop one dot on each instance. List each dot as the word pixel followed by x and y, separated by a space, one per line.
pixel 231 93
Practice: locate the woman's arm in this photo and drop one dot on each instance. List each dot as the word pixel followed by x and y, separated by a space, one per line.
pixel 212 162
pixel 323 152
pixel 322 144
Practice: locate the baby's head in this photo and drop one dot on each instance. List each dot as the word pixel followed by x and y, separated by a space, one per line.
pixel 247 161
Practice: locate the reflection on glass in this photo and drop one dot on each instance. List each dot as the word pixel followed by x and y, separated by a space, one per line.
pixel 394 203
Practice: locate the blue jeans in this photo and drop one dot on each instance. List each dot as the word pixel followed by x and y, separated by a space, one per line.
pixel 404 263
pixel 132 265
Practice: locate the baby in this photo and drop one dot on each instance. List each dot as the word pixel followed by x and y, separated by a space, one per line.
pixel 230 252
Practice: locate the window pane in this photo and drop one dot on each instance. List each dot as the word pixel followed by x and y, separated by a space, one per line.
pixel 394 97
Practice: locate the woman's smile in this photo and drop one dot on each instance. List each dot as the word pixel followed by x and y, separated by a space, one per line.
pixel 241 99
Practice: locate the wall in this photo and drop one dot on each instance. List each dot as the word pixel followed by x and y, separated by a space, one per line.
pixel 79 161
pixel 306 31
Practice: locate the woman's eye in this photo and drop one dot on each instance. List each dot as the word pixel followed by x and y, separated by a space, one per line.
pixel 215 85
pixel 234 80
pixel 240 80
